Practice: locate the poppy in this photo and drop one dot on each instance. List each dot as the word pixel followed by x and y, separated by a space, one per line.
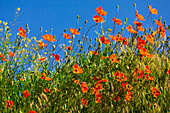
pixel 32 111
pixel 47 90
pixel 22 32
pixel 143 51
pixel 2 57
pixel 41 59
pixel 130 29
pixel 98 98
pixel 148 77
pixel 153 11
pixel 140 17
pixel 104 40
pixel 117 99
pixel 128 95
pixel 155 92
pixel 105 57
pixel 74 31
pixel 49 37
pixel 100 11
pixel 9 104
pixel 67 36
pixel 41 44
pixel 77 69
pixel 68 48
pixel 98 18
pixel 26 93
pixel 161 30
pixel 140 43
pixel 93 52
pixel 84 102
pixel 56 56
pixel 147 69
pixel 11 54
pixel 117 21
pixel 149 38
pixel 125 41
pixel 113 58
pixel 84 87
pixel 159 23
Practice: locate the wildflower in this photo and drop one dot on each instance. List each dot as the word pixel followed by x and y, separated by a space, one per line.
pixel 76 81
pixel 41 44
pixel 154 33
pixel 56 56
pixel 11 54
pixel 149 55
pixel 125 41
pixel 26 93
pixel 140 17
pixel 161 30
pixel 97 86
pixel 128 95
pixel 41 59
pixel 22 32
pixel 117 99
pixel 130 29
pixel 47 90
pixel 100 11
pixel 9 104
pixel 32 111
pixel 77 69
pixel 104 40
pixel 147 69
pixel 68 48
pixel 155 92
pixel 67 36
pixel 94 91
pixel 98 18
pixel 153 11
pixel 84 102
pixel 140 43
pixel 105 57
pixel 117 37
pixel 148 77
pixel 120 76
pixel 105 80
pixel 5 23
pixel 149 38
pixel 117 21
pixel 143 51
pixel 95 78
pixel 140 75
pixel 49 37
pixel 93 52
pixel 159 23
pixel 2 57
pixel 113 58
pixel 84 87
pixel 139 25
pixel 98 98
pixel 74 31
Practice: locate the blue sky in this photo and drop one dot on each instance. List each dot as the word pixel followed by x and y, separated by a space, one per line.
pixel 61 14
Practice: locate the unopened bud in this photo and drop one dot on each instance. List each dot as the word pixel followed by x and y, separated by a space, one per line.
pixel 135 5
pixel 85 21
pixel 41 29
pixel 51 29
pixel 45 31
pixel 79 28
pixel 65 30
pixel 77 16
pixel 117 7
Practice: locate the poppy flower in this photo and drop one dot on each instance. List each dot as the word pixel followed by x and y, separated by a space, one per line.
pixel 117 21
pixel 147 69
pixel 149 38
pixel 41 44
pixel 41 59
pixel 11 54
pixel 98 98
pixel 84 87
pixel 97 86
pixel 22 32
pixel 149 55
pixel 148 77
pixel 9 104
pixel 100 11
pixel 153 11
pixel 76 81
pixel 113 58
pixel 137 23
pixel 140 75
pixel 117 37
pixel 130 29
pixel 68 48
pixel 105 57
pixel 67 36
pixel 120 76
pixel 128 96
pixel 125 41
pixel 140 17
pixel 56 56
pixel 26 93
pixel 93 52
pixel 161 30
pixel 49 37
pixel 47 90
pixel 98 18
pixel 2 57
pixel 84 102
pixel 159 23
pixel 155 92
pixel 74 31
pixel 77 69
pixel 104 40
pixel 32 111
pixel 143 51
pixel 140 43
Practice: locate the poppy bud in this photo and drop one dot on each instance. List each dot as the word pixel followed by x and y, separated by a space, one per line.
pixel 95 39
pixel 135 5
pixel 51 30
pixel 53 46
pixel 125 19
pixel 77 16
pixel 87 37
pixel 45 31
pixel 85 21
pixel 117 7
pixel 41 29
pixel 79 28
pixel 65 30
pixel 109 30
pixel 154 20
pixel 90 39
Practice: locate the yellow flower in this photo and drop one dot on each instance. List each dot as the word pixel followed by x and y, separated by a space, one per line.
pixel 18 9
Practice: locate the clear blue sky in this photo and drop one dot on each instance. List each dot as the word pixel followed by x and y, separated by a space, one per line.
pixel 61 14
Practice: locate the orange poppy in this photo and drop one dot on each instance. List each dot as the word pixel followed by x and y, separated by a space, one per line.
pixel 137 23
pixel 140 43
pixel 130 29
pixel 47 90
pixel 77 69
pixel 140 17
pixel 100 11
pixel 2 57
pixel 68 48
pixel 159 23
pixel 84 87
pixel 143 51
pixel 26 93
pixel 41 59
pixel 105 57
pixel 67 36
pixel 128 95
pixel 148 77
pixel 161 30
pixel 149 55
pixel 117 21
pixel 9 104
pixel 113 58
pixel 11 54
pixel 149 38
pixel 22 32
pixel 98 18
pixel 104 40
pixel 155 92
pixel 74 31
pixel 125 41
pixel 93 52
pixel 140 75
pixel 98 98
pixel 84 102
pixel 76 81
pixel 56 56
pixel 117 37
pixel 147 69
pixel 153 11
pixel 49 37
pixel 41 44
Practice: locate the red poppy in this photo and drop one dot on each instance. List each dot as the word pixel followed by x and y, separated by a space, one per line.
pixel 49 37
pixel 161 30
pixel 41 59
pixel 9 104
pixel 104 40
pixel 93 52
pixel 57 57
pixel 22 32
pixel 148 77
pixel 113 58
pixel 11 54
pixel 74 31
pixel 41 44
pixel 68 48
pixel 77 69
pixel 26 93
pixel 100 11
pixel 147 69
pixel 153 11
pixel 2 57
pixel 47 90
pixel 117 99
pixel 128 95
pixel 67 36
pixel 117 21
pixel 140 43
pixel 98 98
pixel 84 87
pixel 125 41
pixel 98 18
pixel 155 92
pixel 32 111
pixel 84 102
